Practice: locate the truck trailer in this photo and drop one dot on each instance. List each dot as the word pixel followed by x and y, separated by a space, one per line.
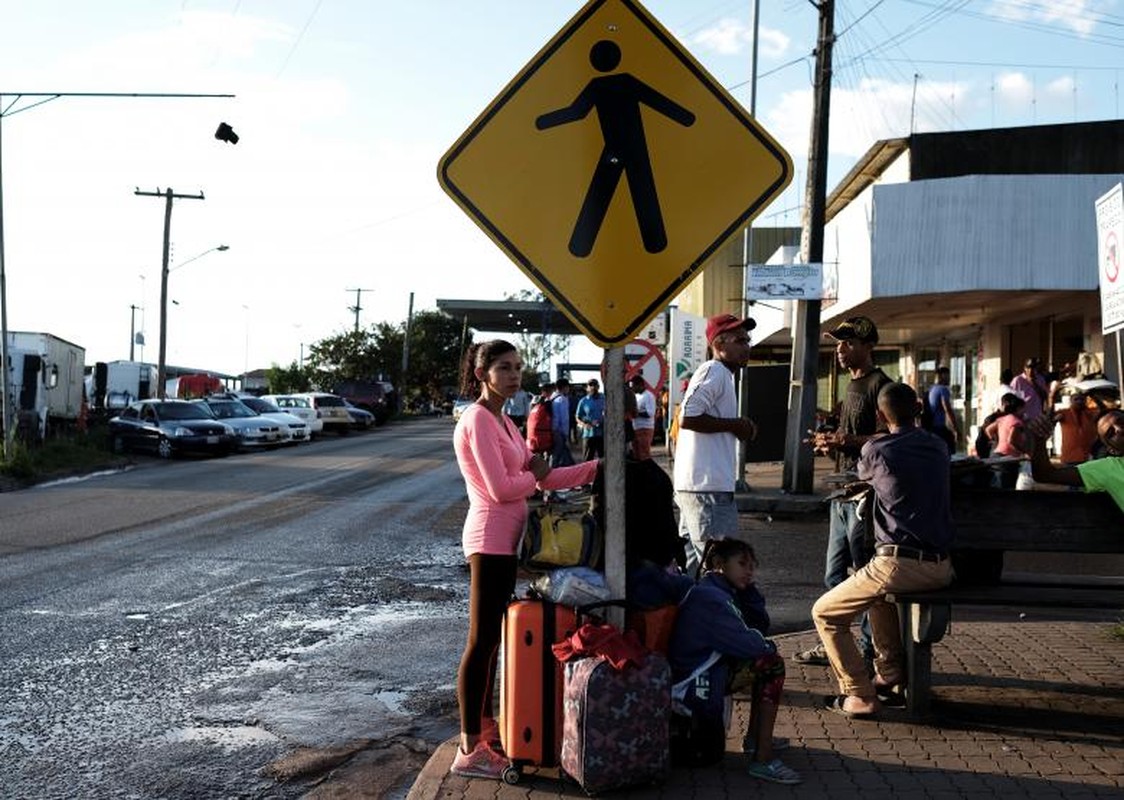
pixel 44 382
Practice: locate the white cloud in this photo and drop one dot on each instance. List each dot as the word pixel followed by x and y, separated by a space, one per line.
pixel 876 109
pixel 731 36
pixel 1061 88
pixel 1014 90
pixel 1076 15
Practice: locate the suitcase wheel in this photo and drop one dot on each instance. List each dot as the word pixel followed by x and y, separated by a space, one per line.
pixel 512 775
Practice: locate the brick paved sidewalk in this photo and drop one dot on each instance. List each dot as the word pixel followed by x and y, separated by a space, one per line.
pixel 1021 709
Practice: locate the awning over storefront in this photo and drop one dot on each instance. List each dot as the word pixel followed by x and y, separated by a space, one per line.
pixel 510 316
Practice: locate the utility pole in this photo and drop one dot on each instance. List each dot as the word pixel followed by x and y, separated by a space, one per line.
pixel 798 457
pixel 405 353
pixel 743 373
pixel 357 307
pixel 132 330
pixel 169 195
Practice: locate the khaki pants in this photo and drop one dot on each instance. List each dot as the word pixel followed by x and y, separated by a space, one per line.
pixel 865 590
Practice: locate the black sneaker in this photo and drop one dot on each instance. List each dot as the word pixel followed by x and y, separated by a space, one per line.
pixel 814 657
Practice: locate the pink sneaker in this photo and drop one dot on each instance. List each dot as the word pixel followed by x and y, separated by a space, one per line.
pixel 482 762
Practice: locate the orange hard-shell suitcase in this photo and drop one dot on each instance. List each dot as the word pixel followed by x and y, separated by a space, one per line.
pixel 531 683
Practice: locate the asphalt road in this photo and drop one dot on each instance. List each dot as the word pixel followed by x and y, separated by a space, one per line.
pixel 255 626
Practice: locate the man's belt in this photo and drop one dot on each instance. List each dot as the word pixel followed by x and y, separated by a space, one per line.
pixel 901 551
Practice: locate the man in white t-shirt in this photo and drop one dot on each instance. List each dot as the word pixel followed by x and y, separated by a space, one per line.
pixel 709 430
pixel 644 423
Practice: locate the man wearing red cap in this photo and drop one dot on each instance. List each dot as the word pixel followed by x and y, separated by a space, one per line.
pixel 709 430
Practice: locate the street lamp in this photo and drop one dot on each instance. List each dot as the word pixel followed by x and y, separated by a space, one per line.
pixel 161 366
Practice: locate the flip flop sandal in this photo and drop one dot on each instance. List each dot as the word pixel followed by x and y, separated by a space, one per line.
pixel 891 694
pixel 834 704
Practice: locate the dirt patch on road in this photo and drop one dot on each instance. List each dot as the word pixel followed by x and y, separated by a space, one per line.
pixel 359 771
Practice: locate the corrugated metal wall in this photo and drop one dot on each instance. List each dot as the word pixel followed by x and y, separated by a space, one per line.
pixel 1008 232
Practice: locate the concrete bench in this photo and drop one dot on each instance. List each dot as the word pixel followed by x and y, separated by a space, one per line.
pixel 989 523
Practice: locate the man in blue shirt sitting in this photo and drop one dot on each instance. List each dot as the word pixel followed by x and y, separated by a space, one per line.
pixel 908 471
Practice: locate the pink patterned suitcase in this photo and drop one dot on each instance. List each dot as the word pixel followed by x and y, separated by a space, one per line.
pixel 615 723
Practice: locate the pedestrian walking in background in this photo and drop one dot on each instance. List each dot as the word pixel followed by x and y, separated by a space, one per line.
pixel 944 422
pixel 591 421
pixel 560 424
pixel 500 472
pixel 644 423
pixel 518 406
pixel 1031 386
pixel 540 424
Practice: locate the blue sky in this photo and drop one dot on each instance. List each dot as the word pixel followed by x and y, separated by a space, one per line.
pixel 344 108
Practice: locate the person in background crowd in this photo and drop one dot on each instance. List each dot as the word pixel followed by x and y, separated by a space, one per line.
pixel 1078 425
pixel 500 473
pixel 560 424
pixel 847 549
pixel 1008 431
pixel 540 431
pixel 591 421
pixel 944 422
pixel 709 430
pixel 518 406
pixel 1031 386
pixel 1099 475
pixel 644 423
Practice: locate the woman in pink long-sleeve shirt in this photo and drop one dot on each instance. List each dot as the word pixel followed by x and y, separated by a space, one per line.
pixel 500 473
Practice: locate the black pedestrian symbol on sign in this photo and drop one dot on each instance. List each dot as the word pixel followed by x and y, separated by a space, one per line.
pixel 617 99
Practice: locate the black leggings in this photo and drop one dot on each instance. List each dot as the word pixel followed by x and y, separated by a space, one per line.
pixel 491 583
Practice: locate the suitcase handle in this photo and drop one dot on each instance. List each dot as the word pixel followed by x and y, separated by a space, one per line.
pixel 584 611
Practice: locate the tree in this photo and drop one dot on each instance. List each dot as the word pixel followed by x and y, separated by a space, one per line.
pixel 287 380
pixel 376 354
pixel 537 349
pixel 435 354
pixel 349 356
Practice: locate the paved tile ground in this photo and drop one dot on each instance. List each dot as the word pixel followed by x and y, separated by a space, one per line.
pixel 1022 708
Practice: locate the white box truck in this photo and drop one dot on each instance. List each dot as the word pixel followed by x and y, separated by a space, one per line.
pixel 45 375
pixel 113 385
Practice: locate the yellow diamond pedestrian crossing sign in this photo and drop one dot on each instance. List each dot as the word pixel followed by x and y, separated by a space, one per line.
pixel 611 167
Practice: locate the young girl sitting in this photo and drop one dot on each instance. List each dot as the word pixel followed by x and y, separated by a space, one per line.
pixel 713 654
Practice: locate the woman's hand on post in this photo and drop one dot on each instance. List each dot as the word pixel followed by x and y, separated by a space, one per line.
pixel 539 467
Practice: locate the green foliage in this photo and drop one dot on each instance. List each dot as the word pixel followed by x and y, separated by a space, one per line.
pixel 537 349
pixel 376 354
pixel 350 356
pixel 1117 631
pixel 435 354
pixel 58 457
pixel 18 464
pixel 290 379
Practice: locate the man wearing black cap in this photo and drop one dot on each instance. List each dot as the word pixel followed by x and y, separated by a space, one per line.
pixel 854 339
pixel 709 430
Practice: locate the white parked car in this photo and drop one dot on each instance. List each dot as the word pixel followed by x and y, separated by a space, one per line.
pixel 298 406
pixel 331 411
pixel 297 429
pixel 252 430
pixel 459 407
